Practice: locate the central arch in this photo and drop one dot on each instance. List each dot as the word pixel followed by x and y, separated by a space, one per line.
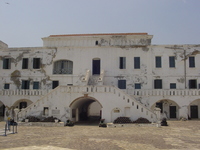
pixel 86 109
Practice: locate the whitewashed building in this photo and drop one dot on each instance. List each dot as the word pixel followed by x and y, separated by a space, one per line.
pixel 92 76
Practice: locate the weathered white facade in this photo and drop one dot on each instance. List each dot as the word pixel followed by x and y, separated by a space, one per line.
pixel 92 76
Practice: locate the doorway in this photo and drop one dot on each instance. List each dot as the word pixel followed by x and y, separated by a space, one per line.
pixel 172 110
pixel 96 65
pixel 194 111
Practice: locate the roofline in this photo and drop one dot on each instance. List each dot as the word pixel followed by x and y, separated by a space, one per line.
pixel 98 34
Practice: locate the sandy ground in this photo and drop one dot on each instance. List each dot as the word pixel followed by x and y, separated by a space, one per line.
pixel 178 135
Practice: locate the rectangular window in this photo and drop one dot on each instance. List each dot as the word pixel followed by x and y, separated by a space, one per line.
pixel 25 84
pixel 55 84
pixel 36 63
pixel 172 85
pixel 122 63
pixel 192 84
pixel 137 86
pixel 136 62
pixel 191 61
pixel 122 84
pixel 6 86
pixel 158 62
pixel 36 85
pixel 6 63
pixel 171 61
pixel 158 84
pixel 25 63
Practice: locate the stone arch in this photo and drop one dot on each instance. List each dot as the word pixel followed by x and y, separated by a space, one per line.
pixel 22 103
pixel 194 109
pixel 85 109
pixel 169 108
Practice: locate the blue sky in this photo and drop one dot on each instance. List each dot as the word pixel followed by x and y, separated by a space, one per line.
pixel 24 22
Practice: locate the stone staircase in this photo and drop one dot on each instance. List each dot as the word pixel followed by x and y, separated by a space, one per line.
pixel 114 93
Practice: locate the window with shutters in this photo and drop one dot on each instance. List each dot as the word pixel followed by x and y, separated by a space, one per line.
pixel 63 67
pixel 136 62
pixel 192 84
pixel 172 85
pixel 6 63
pixel 158 62
pixel 36 85
pixel 25 63
pixel 191 61
pixel 25 84
pixel 6 86
pixel 36 63
pixel 171 61
pixel 122 62
pixel 137 86
pixel 122 84
pixel 158 84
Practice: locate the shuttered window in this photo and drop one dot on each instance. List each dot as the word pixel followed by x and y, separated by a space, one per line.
pixel 122 84
pixel 158 62
pixel 158 84
pixel 122 63
pixel 191 61
pixel 171 61
pixel 136 62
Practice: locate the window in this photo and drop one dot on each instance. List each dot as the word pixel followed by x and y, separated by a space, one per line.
pixel 55 84
pixel 122 63
pixel 25 84
pixel 6 86
pixel 160 105
pixel 136 62
pixel 158 62
pixel 36 85
pixel 172 85
pixel 137 86
pixel 122 84
pixel 171 61
pixel 192 84
pixel 25 63
pixel 22 105
pixel 6 63
pixel 158 84
pixel 191 61
pixel 63 67
pixel 36 63
pixel 96 43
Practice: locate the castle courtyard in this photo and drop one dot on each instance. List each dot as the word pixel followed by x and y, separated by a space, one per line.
pixel 178 135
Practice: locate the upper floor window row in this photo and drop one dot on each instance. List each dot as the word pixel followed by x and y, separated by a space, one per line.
pixel 63 67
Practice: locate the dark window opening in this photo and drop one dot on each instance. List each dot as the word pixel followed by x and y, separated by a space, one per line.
pixel 191 61
pixel 96 66
pixel 96 43
pixel 122 62
pixel 160 105
pixel 22 105
pixel 36 85
pixel 171 61
pixel 6 86
pixel 158 84
pixel 137 86
pixel 25 63
pixel 172 85
pixel 122 84
pixel 192 84
pixel 6 63
pixel 137 62
pixel 158 62
pixel 46 111
pixel 25 84
pixel 55 84
pixel 36 63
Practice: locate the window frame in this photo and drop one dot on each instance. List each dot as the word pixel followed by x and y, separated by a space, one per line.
pixel 7 63
pixel 137 85
pixel 122 62
pixel 6 86
pixel 136 62
pixel 172 63
pixel 158 61
pixel 172 85
pixel 36 63
pixel 122 84
pixel 191 62
pixel 158 84
pixel 36 85
pixel 25 63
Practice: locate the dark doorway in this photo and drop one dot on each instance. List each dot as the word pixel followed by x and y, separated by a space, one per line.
pixel 160 105
pixel 192 84
pixel 96 65
pixel 194 111
pixel 2 110
pixel 22 105
pixel 172 111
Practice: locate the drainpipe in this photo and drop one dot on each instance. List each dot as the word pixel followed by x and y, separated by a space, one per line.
pixel 185 68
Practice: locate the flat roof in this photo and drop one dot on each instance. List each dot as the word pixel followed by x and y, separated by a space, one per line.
pixel 99 34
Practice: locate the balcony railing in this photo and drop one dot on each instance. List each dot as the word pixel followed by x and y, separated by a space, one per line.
pixel 23 92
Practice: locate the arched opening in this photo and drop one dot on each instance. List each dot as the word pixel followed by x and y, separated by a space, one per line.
pixel 85 110
pixel 169 108
pixel 23 103
pixel 2 111
pixel 63 67
pixel 194 109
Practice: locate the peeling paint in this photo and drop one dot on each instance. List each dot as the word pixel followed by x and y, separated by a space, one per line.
pixel 15 76
pixel 181 80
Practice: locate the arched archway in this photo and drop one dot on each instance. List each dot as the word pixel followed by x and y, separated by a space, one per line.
pixel 22 103
pixel 169 108
pixel 85 109
pixel 194 109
